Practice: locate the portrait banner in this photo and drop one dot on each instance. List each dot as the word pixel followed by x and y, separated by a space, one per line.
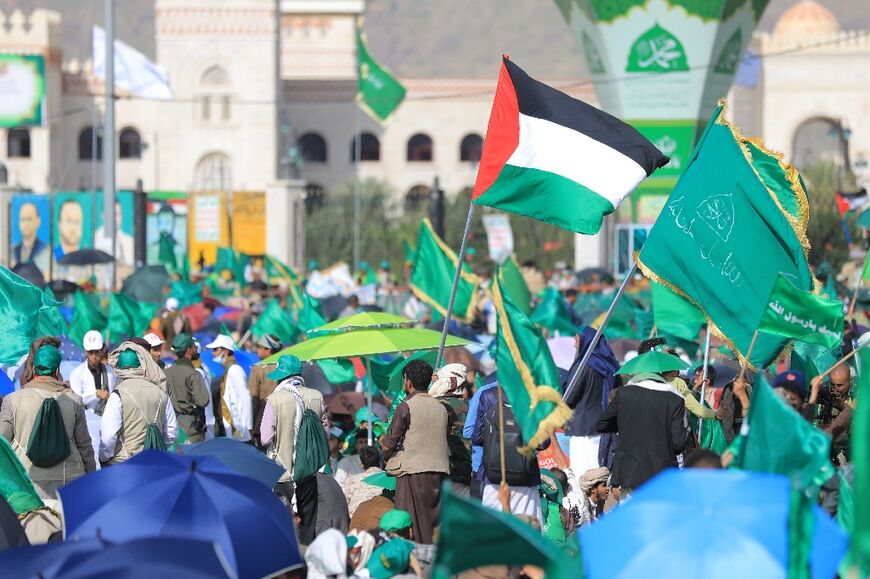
pixel 30 231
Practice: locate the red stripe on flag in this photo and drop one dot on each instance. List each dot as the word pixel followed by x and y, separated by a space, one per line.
pixel 842 205
pixel 502 134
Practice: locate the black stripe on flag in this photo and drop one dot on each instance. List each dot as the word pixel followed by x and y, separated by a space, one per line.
pixel 536 99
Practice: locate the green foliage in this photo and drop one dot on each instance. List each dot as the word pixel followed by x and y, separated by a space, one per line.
pixel 385 222
pixel 825 230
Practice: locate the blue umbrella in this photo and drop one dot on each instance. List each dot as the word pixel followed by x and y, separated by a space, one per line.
pixel 6 385
pixel 710 523
pixel 239 456
pixel 70 351
pixel 244 359
pixel 158 494
pixel 145 558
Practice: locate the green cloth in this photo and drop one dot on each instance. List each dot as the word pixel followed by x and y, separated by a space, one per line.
pixel 792 313
pixel 26 312
pixel 846 518
pixel 526 372
pixel 475 536
pixel 801 526
pixel 551 312
pixel 377 91
pixel 338 370
pixel 187 293
pixel 15 486
pixel 288 365
pixel 860 545
pixel 275 268
pixel 310 315
pixel 46 361
pixel 86 316
pixel 390 559
pixel 409 251
pixel 432 278
pixel 515 285
pixel 397 381
pixel 274 320
pixel 128 317
pixel 182 342
pixel 700 245
pixel 381 370
pixel 166 251
pixel 395 520
pixel 551 499
pixel 128 359
pixel 675 315
pixel 812 359
pixel 382 480
pixel 780 441
pixel 655 362
pixel 712 436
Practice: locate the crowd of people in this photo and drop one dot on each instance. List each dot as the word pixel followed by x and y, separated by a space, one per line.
pixel 365 486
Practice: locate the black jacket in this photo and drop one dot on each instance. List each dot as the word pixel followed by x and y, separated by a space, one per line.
pixel 649 419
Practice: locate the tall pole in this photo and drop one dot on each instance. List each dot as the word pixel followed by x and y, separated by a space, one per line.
pixel 357 194
pixel 572 383
pixel 456 277
pixel 109 138
pixel 279 95
pixel 704 378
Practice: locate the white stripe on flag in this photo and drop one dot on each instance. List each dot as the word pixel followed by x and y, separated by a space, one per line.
pixel 547 146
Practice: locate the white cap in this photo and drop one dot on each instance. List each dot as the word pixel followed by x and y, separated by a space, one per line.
pixel 93 341
pixel 222 341
pixel 153 339
pixel 171 304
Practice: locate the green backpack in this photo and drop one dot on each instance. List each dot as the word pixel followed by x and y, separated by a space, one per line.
pixel 49 443
pixel 153 435
pixel 312 447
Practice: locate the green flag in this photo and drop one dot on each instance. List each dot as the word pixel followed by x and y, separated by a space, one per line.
pixel 128 317
pixel 496 539
pixel 377 91
pixel 409 251
pixel 675 315
pixel 310 316
pixel 792 313
pixel 234 262
pixel 338 370
pixel 515 286
pixel 381 370
pixel 526 372
pixel 166 251
pixel 396 381
pixel 25 313
pixel 224 330
pixel 276 269
pixel 701 247
pixel 185 292
pixel 50 321
pixel 15 485
pixel 87 316
pixel 432 278
pixel 812 359
pixel 275 321
pixel 860 543
pixel 184 270
pixel 776 439
pixel 551 312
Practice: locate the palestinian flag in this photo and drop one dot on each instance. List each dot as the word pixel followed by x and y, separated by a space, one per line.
pixel 557 159
pixel 847 202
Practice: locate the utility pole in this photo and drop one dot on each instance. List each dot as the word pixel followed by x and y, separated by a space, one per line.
pixel 109 139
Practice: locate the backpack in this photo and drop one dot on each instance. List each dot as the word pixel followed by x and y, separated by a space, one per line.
pixel 520 471
pixel 312 447
pixel 153 435
pixel 49 443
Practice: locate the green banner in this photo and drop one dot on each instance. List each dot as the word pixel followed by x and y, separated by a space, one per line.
pixel 792 313
pixel 377 90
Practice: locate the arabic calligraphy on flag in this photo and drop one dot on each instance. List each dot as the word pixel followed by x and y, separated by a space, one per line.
pixel 802 315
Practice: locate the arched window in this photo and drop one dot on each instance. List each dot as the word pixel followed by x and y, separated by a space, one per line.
pixel 214 172
pixel 370 148
pixel 18 143
pixel 312 148
pixel 416 197
pixel 820 138
pixel 215 99
pixel 471 148
pixel 420 148
pixel 130 144
pixel 86 145
pixel 315 197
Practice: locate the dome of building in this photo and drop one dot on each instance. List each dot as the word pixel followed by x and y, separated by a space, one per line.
pixel 806 19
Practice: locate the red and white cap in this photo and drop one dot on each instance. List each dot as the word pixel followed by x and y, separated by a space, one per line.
pixel 153 339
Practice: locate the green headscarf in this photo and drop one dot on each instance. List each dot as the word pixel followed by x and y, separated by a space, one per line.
pixel 128 359
pixel 551 499
pixel 46 361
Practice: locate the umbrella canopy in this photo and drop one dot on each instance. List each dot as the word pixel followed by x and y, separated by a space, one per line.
pixel 365 342
pixel 145 558
pixel 366 320
pixel 657 362
pixel 87 256
pixel 239 456
pixel 347 403
pixel 31 273
pixel 157 494
pixel 146 284
pixel 586 275
pixel 711 523
pixel 61 288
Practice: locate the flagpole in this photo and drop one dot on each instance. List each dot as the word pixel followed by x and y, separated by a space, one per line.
pixel 840 361
pixel 369 400
pixel 598 333
pixel 501 435
pixel 357 153
pixel 704 378
pixel 456 277
pixel 109 139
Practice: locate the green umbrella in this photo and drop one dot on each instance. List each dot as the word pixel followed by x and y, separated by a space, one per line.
pixel 363 320
pixel 656 362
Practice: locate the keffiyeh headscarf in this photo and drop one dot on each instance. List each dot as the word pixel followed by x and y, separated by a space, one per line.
pixel 590 479
pixel 327 555
pixel 366 544
pixel 449 381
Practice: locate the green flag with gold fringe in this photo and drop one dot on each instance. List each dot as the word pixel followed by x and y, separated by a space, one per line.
pixel 378 91
pixel 526 372
pixel 432 278
pixel 736 219
pixel 512 279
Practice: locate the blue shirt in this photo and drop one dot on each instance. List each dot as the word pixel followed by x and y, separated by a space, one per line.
pixel 468 427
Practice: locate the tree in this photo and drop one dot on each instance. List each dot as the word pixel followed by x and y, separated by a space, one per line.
pixel 825 230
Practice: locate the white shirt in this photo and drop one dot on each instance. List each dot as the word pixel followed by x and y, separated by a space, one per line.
pixel 82 383
pixel 348 466
pixel 238 399
pixel 111 423
pixel 209 408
